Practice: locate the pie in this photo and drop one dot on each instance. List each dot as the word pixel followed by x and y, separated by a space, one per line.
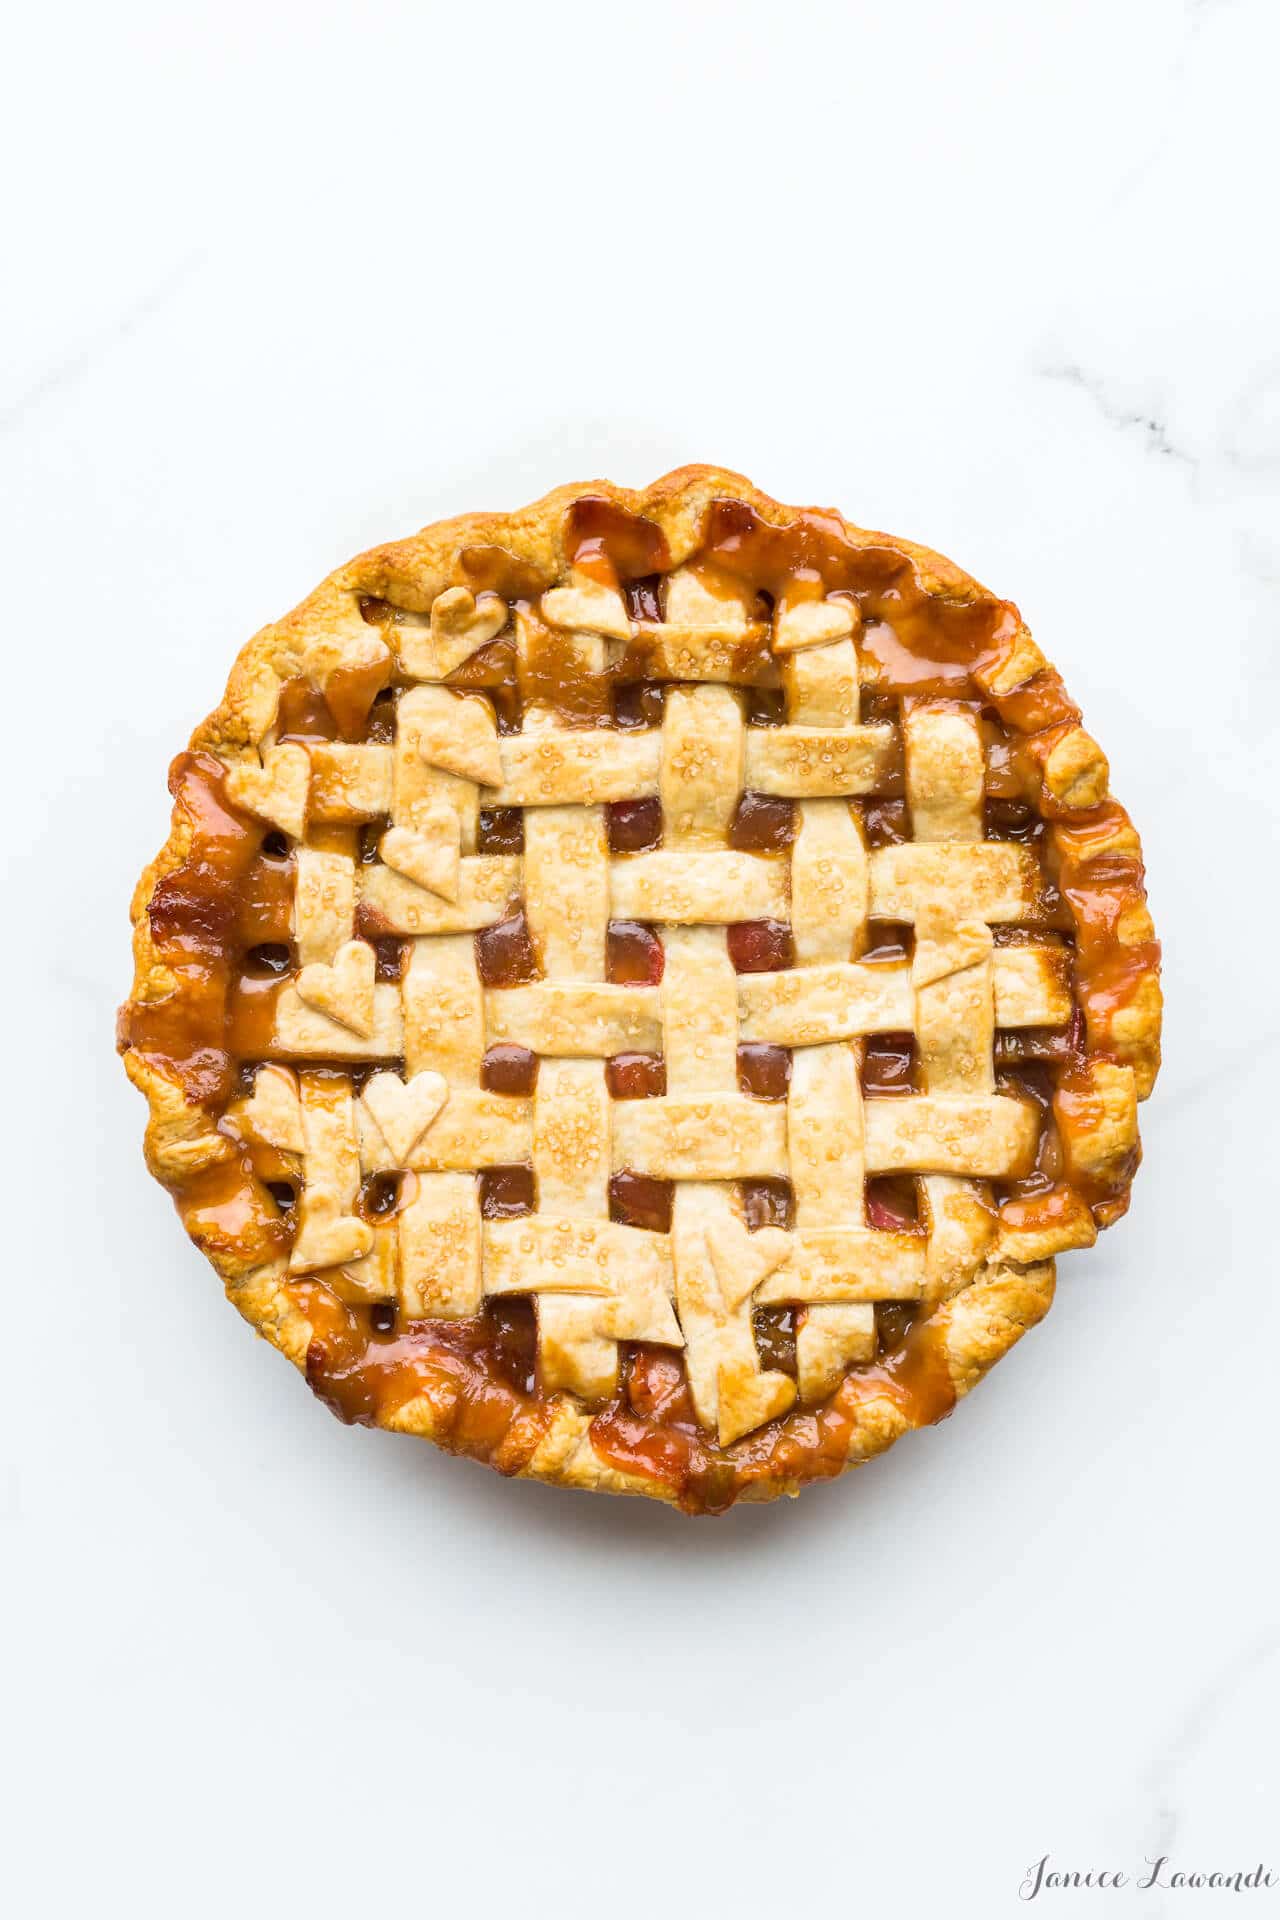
pixel 639 990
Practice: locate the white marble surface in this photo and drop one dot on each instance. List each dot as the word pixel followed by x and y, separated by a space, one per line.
pixel 293 278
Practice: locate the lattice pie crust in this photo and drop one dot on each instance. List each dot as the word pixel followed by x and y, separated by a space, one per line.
pixel 702 922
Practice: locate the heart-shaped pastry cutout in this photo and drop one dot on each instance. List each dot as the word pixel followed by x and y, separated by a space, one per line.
pixel 588 606
pixel 742 1260
pixel 343 989
pixel 430 856
pixel 326 1237
pixel 946 946
pixel 461 737
pixel 747 1399
pixel 813 623
pixel 460 623
pixel 277 790
pixel 402 1110
pixel 707 598
pixel 272 1115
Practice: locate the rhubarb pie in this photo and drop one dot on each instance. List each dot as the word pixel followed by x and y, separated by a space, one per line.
pixel 639 990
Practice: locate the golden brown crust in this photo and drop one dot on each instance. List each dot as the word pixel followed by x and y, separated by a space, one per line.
pixel 183 1142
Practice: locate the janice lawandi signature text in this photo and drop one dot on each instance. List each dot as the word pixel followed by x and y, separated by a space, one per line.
pixel 1042 1876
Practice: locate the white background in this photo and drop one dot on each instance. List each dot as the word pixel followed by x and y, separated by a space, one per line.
pixel 285 280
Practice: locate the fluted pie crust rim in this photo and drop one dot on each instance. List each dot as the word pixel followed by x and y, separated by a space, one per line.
pixel 972 1329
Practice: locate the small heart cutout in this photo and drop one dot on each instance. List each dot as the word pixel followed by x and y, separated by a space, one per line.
pixel 460 624
pixel 588 606
pixel 463 740
pixel 812 623
pixel 327 1238
pixel 402 1110
pixel 947 946
pixel 748 1399
pixel 343 989
pixel 742 1260
pixel 272 1115
pixel 429 856
pixel 275 791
